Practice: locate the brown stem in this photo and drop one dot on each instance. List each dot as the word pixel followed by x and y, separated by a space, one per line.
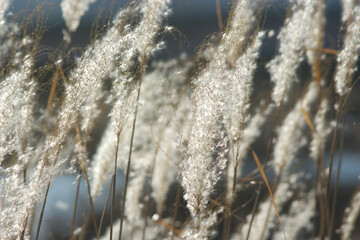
pixel 103 212
pixel 42 211
pixel 142 69
pixel 75 207
pixel 333 208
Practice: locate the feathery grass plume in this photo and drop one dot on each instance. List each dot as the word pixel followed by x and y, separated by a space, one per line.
pixel 292 39
pixel 4 5
pixel 236 33
pixel 241 20
pixel 138 40
pixel 322 130
pixel 92 67
pixel 91 109
pixel 166 164
pixel 102 161
pixel 154 129
pixel 291 134
pixel 153 12
pixel 298 218
pixel 11 46
pixel 12 185
pixel 173 119
pixel 17 95
pixel 6 41
pixel 73 10
pixel 208 144
pixel 4 27
pixel 16 212
pixel 315 35
pixel 141 41
pixel 101 164
pixel 347 6
pixel 348 56
pixel 352 213
pixel 99 61
pixel 95 64
pixel 241 81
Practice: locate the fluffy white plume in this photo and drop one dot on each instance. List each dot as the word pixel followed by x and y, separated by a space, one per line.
pixel 73 10
pixel 349 54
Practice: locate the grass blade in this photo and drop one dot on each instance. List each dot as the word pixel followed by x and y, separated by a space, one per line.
pixel 268 186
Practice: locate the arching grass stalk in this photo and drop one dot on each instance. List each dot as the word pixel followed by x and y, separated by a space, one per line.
pixel 113 183
pixel 269 148
pixel 42 212
pixel 75 206
pixel 106 204
pixel 142 70
pixel 333 207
